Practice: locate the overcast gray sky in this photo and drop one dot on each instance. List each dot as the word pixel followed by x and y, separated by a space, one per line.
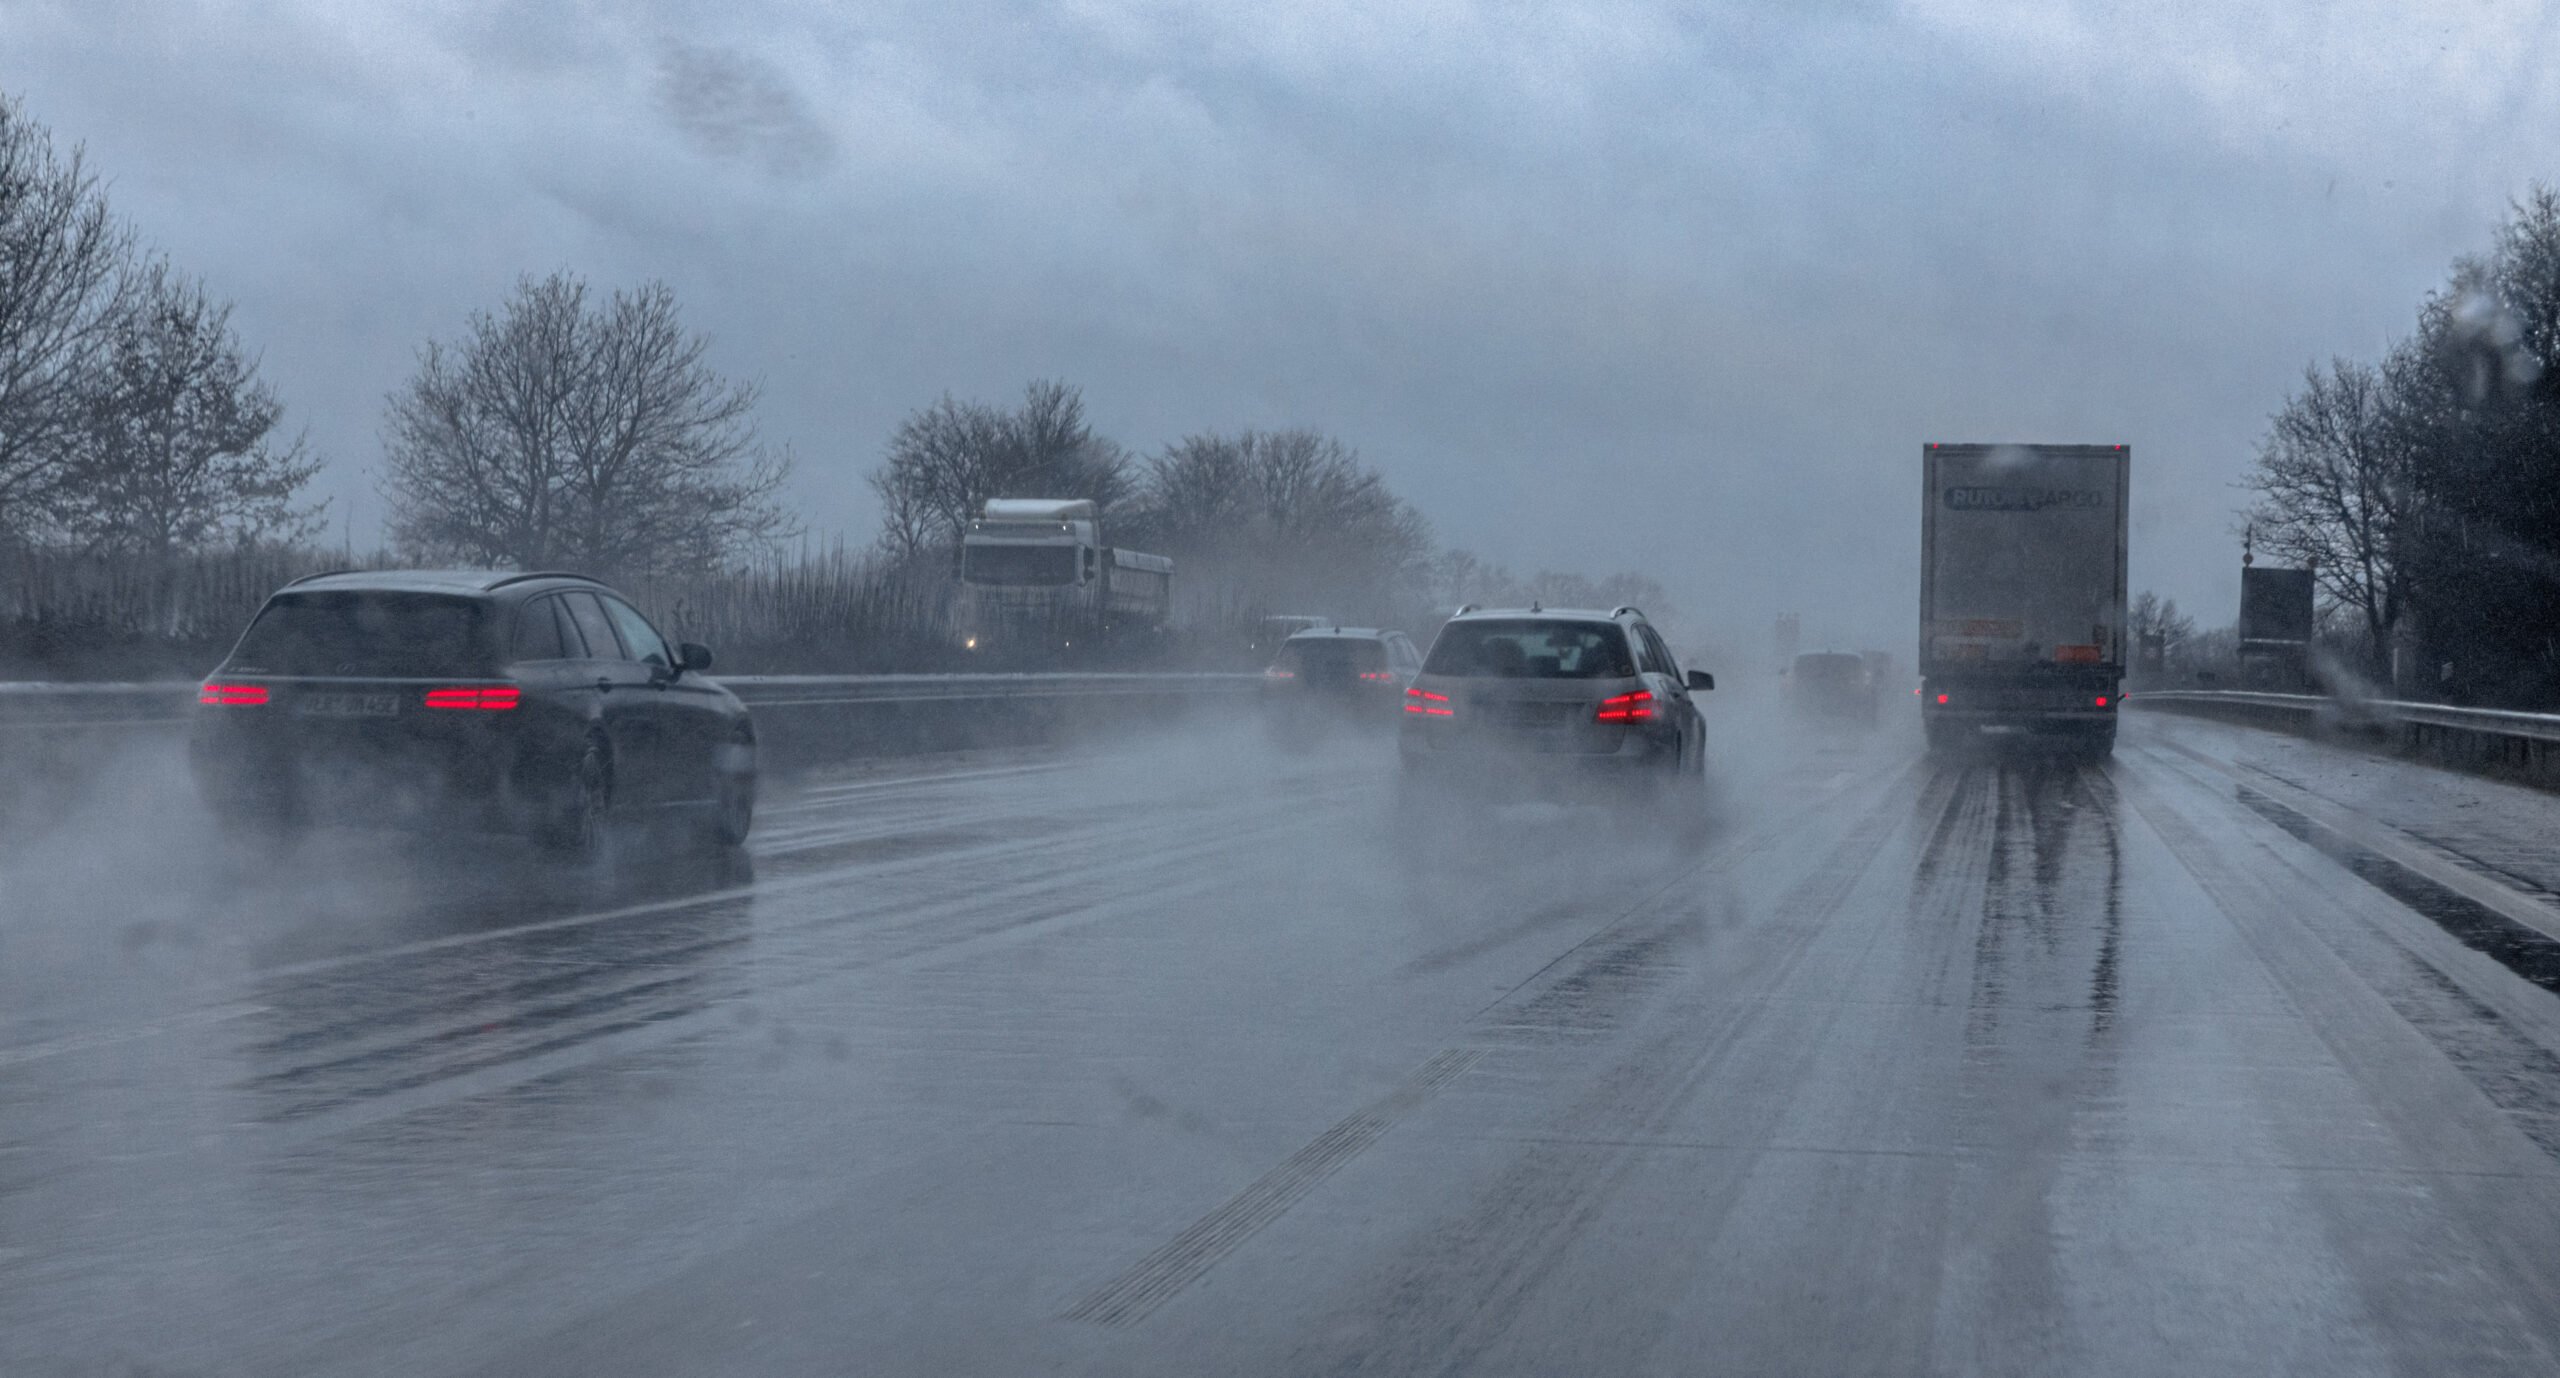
pixel 1678 288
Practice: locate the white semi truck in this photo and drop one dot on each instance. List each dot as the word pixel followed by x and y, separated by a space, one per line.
pixel 1039 587
pixel 2022 597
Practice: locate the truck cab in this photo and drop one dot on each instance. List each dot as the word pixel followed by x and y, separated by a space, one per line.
pixel 1036 579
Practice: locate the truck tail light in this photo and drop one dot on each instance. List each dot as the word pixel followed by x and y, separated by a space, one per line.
pixel 1942 698
pixel 1425 702
pixel 1275 672
pixel 1635 707
pixel 1377 674
pixel 231 695
pixel 475 696
pixel 2102 700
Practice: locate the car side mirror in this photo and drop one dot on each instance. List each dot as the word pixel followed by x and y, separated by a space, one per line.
pixel 1700 679
pixel 693 655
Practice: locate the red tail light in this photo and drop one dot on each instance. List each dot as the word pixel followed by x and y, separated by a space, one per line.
pixel 1635 707
pixel 2102 700
pixel 1275 672
pixel 1942 698
pixel 1425 702
pixel 234 695
pixel 475 696
pixel 1377 674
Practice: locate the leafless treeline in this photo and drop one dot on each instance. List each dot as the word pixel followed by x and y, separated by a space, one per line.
pixel 2425 488
pixel 131 418
pixel 1258 522
pixel 89 615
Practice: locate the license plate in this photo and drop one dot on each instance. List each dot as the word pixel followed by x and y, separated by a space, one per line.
pixel 348 705
pixel 1530 715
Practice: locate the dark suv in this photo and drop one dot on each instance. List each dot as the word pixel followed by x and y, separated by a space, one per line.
pixel 1832 687
pixel 470 699
pixel 1357 673
pixel 1549 695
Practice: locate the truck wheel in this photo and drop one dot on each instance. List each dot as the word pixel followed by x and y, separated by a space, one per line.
pixel 2101 745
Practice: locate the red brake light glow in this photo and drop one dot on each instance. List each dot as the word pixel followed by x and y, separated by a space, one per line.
pixel 1424 701
pixel 1635 707
pixel 475 696
pixel 1275 672
pixel 1942 698
pixel 233 695
pixel 1377 674
pixel 2102 700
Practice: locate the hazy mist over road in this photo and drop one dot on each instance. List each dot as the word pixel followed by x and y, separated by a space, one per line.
pixel 1678 288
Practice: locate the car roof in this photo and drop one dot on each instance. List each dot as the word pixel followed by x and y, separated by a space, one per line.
pixel 1346 633
pixel 1560 614
pixel 464 581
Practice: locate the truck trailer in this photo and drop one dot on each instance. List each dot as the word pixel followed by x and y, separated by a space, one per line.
pixel 1039 588
pixel 2022 593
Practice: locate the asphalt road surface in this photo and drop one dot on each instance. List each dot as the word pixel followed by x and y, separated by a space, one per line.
pixel 1188 1056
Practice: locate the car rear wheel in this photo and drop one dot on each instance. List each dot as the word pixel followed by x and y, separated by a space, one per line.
pixel 586 799
pixel 1681 794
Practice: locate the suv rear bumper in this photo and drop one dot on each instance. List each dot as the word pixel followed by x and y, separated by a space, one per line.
pixel 1502 757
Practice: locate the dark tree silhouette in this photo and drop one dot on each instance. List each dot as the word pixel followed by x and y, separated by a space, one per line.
pixel 567 431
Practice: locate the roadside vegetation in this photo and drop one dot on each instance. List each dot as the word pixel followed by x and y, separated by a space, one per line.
pixel 152 495
pixel 2423 488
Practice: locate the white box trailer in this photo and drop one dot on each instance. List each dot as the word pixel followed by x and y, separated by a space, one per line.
pixel 2022 591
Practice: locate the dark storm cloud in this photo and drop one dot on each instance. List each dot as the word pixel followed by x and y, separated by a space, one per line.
pixel 735 106
pixel 1676 286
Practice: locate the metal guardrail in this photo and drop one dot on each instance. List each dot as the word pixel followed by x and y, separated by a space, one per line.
pixel 37 705
pixel 784 691
pixel 25 705
pixel 2490 740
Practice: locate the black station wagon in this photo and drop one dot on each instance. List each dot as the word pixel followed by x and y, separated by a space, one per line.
pixel 469 700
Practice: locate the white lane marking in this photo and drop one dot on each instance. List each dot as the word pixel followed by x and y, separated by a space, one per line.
pixel 2423 857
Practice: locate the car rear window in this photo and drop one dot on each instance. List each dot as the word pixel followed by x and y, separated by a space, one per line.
pixel 1830 666
pixel 1525 648
pixel 1332 657
pixel 400 634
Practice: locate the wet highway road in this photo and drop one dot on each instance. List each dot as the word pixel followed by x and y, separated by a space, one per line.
pixel 2235 1055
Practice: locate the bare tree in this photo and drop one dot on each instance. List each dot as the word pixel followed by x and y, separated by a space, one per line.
pixel 2334 496
pixel 1288 487
pixel 937 475
pixel 1284 518
pixel 945 462
pixel 62 261
pixel 566 432
pixel 173 452
pixel 2153 615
